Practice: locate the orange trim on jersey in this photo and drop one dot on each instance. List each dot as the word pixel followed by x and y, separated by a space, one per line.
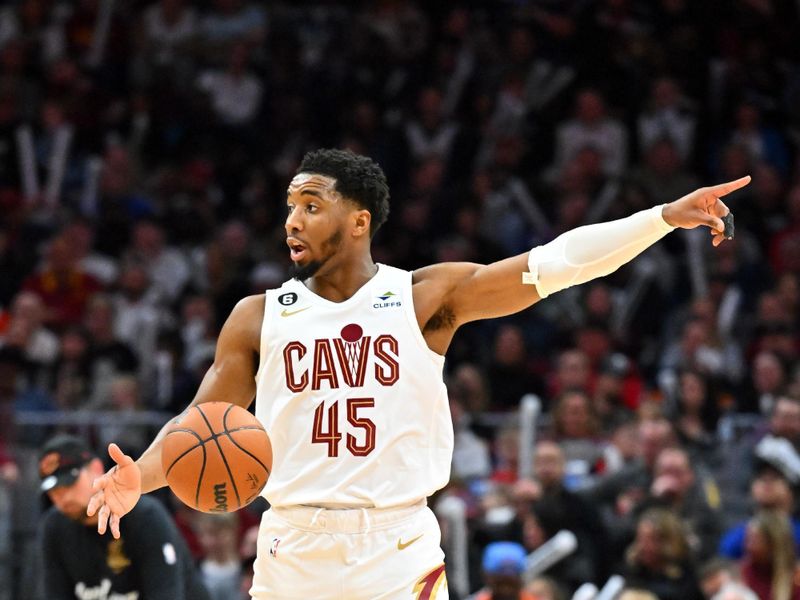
pixel 427 586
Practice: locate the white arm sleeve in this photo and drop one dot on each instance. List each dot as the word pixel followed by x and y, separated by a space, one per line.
pixel 592 251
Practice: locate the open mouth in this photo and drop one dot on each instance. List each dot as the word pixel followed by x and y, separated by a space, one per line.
pixel 297 249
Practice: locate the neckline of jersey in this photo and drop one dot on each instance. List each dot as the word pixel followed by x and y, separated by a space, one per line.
pixel 352 298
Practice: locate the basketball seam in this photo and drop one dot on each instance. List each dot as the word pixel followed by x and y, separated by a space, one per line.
pixel 245 450
pixel 185 452
pixel 221 453
pixel 213 436
pixel 200 479
pixel 228 432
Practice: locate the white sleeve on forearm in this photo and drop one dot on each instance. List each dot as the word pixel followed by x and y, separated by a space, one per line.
pixel 592 251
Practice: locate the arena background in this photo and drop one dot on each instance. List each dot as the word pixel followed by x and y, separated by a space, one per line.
pixel 145 150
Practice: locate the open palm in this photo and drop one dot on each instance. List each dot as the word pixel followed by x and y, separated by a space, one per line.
pixel 116 492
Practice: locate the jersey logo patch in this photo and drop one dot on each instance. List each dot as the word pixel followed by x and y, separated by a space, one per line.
pixel 387 299
pixel 288 313
pixel 403 545
pixel 287 299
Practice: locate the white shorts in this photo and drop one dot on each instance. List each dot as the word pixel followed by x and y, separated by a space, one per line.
pixel 349 554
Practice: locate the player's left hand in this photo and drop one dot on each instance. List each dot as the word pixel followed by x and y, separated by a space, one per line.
pixel 703 207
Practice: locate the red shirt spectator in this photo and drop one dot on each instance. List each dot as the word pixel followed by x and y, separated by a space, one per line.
pixel 62 285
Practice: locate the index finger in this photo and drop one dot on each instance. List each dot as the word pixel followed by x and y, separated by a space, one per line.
pixel 723 189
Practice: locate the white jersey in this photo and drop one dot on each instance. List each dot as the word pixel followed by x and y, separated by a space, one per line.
pixel 352 398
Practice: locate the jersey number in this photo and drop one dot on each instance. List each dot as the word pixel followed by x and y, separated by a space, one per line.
pixel 329 433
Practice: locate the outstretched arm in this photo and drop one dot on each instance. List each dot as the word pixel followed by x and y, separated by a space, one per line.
pixel 471 292
pixel 230 379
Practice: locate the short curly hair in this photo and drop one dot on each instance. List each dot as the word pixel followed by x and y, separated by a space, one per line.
pixel 358 178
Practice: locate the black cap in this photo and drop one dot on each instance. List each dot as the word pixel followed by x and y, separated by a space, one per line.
pixel 61 460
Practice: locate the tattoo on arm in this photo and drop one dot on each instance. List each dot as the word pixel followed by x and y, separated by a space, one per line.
pixel 444 318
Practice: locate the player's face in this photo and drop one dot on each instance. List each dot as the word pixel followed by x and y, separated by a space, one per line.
pixel 72 500
pixel 314 222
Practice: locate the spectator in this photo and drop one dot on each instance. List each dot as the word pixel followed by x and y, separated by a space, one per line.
pixel 149 559
pixel 229 21
pixel 619 493
pixel 506 455
pixel 777 473
pixel 26 331
pixel 167 268
pixel 669 115
pixel 691 496
pixel 696 415
pixel 81 237
pixel 108 356
pixel 576 430
pixel 572 372
pixel 591 126
pixel 503 565
pixel 574 512
pixel 769 562
pixel 220 567
pixel 471 457
pixel 715 575
pixel 659 558
pixel 509 374
pixel 62 285
pixel 234 93
pixel 71 375
pixel 124 401
pixel 545 588
pixel 169 28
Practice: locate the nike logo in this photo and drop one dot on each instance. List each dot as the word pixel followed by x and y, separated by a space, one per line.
pixel 402 546
pixel 288 313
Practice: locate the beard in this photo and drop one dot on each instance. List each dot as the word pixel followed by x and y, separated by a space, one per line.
pixel 328 247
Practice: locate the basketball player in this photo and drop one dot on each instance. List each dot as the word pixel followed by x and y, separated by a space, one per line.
pixel 345 363
pixel 149 560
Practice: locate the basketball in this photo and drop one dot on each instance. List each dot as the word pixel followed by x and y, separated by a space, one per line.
pixel 216 457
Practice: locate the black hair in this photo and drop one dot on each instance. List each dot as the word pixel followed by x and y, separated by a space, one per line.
pixel 358 178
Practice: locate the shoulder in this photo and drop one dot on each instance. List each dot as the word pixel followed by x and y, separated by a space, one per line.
pixel 433 285
pixel 250 306
pixel 247 316
pixel 436 281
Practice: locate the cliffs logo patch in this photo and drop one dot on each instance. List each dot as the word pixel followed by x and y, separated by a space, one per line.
pixel 287 299
pixel 387 299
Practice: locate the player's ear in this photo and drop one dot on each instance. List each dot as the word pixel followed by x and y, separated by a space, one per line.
pixel 361 222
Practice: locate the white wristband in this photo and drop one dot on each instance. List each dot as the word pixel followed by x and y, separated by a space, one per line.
pixel 592 251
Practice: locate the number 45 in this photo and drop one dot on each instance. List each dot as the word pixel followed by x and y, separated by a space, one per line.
pixel 331 435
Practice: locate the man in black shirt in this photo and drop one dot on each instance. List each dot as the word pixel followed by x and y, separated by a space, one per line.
pixel 150 560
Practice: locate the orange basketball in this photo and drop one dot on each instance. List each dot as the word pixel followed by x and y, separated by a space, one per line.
pixel 216 457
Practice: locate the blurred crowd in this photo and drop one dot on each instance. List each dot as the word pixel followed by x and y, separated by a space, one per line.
pixel 145 149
